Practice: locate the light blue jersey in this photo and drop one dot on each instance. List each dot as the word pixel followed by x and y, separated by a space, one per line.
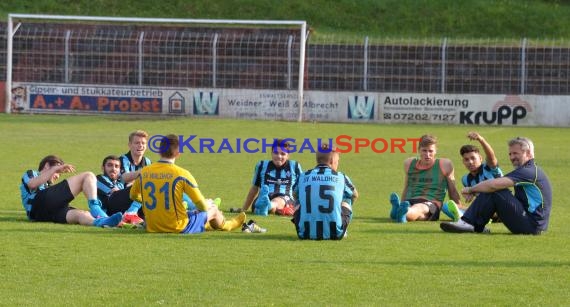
pixel 483 173
pixel 128 165
pixel 26 193
pixel 321 192
pixel 105 186
pixel 279 180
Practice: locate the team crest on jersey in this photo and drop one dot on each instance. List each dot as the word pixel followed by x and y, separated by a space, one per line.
pixel 361 107
pixel 206 103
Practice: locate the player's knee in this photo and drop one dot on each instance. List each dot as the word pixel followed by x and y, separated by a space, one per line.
pixel 214 212
pixel 88 176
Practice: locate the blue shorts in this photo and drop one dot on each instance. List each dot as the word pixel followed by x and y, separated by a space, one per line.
pixel 197 222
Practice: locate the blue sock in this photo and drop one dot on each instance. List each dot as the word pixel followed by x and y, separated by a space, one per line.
pixel 186 198
pixel 395 202
pixel 134 208
pixel 190 206
pixel 263 203
pixel 96 208
pixel 402 211
pixel 110 221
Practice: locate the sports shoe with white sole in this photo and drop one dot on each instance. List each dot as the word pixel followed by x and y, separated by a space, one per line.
pixel 460 227
pixel 252 227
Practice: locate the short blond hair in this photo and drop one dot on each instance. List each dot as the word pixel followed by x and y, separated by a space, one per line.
pixel 139 133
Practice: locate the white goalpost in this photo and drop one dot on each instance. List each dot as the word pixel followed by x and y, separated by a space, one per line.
pixel 38 57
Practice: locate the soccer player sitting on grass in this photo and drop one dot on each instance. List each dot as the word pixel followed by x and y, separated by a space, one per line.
pixel 45 201
pixel 273 182
pixel 325 199
pixel 159 188
pixel 426 182
pixel 478 171
pixel 134 160
pixel 113 194
pixel 525 212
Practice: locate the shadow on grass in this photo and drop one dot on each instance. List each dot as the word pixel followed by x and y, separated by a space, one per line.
pixel 436 229
pixel 46 227
pixel 13 216
pixel 402 230
pixel 459 263
pixel 367 219
pixel 16 219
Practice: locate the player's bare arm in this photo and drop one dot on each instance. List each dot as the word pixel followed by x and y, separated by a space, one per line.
pixel 490 157
pixel 489 186
pixel 407 164
pixel 130 176
pixel 250 197
pixel 47 174
pixel 449 173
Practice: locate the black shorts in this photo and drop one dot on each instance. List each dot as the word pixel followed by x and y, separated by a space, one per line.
pixel 52 204
pixel 118 201
pixel 433 208
pixel 345 215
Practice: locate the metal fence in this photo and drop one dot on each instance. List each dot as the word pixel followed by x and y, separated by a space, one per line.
pixel 268 59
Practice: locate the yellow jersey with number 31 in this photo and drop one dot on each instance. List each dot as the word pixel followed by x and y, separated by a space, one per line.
pixel 159 188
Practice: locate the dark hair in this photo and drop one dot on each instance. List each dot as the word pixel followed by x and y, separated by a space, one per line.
pixel 281 144
pixel 467 149
pixel 51 160
pixel 169 146
pixel 325 153
pixel 110 157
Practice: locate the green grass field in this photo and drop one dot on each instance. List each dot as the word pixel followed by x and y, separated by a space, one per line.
pixel 381 263
pixel 413 19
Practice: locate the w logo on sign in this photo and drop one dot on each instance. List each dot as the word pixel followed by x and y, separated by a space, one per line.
pixel 206 103
pixel 361 107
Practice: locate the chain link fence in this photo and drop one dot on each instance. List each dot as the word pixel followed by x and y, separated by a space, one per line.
pixel 127 55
